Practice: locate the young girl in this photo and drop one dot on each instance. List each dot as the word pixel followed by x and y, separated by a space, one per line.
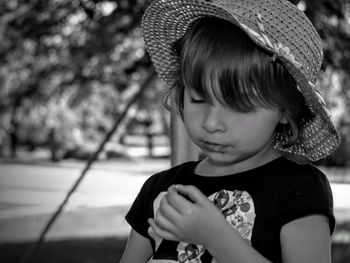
pixel 242 73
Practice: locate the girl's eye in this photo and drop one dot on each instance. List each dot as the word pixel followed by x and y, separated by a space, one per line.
pixel 193 100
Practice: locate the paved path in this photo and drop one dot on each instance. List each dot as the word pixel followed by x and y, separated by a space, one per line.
pixel 32 189
pixel 30 192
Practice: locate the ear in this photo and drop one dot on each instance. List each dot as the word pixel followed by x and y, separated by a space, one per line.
pixel 284 119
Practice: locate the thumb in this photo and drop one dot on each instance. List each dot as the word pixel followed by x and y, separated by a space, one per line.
pixel 192 192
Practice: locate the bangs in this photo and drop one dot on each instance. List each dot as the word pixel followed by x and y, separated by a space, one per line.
pixel 221 63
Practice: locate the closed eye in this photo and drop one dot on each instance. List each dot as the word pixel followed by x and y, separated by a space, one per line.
pixel 193 100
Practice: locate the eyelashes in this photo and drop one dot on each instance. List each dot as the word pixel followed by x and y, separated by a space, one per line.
pixel 196 101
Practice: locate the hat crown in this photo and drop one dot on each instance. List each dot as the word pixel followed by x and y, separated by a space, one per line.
pixel 285 26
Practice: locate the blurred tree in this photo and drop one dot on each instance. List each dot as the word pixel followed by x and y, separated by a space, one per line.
pixel 64 65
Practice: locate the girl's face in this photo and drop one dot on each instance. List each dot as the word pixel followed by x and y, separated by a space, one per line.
pixel 231 140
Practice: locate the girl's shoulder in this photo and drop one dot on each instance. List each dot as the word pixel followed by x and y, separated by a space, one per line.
pixel 306 179
pixel 302 171
pixel 283 169
pixel 304 190
pixel 286 175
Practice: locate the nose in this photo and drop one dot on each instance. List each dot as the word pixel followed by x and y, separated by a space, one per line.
pixel 213 120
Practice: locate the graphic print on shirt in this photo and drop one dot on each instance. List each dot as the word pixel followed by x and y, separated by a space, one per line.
pixel 238 209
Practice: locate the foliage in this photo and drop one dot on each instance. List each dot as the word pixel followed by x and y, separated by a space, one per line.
pixel 64 65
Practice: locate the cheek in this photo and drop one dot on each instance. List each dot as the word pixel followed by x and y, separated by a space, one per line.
pixel 192 115
pixel 267 130
pixel 260 129
pixel 192 122
pixel 190 119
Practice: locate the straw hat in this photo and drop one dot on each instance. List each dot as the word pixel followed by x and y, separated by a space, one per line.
pixel 275 25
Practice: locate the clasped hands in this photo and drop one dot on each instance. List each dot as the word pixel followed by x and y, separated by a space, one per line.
pixel 186 214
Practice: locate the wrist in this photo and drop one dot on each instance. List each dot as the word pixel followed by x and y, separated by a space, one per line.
pixel 227 245
pixel 217 234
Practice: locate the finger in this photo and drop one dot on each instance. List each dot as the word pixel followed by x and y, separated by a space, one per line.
pixel 163 222
pixel 156 238
pixel 177 201
pixel 192 192
pixel 168 211
pixel 162 233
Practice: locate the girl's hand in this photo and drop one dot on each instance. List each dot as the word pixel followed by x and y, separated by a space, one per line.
pixel 186 214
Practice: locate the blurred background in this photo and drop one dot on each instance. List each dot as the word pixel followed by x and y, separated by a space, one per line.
pixel 79 99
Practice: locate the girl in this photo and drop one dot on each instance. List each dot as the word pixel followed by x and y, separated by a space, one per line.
pixel 242 73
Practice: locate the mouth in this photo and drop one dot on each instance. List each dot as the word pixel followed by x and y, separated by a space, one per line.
pixel 214 147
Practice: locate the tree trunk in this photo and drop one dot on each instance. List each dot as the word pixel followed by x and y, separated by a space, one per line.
pixel 13 134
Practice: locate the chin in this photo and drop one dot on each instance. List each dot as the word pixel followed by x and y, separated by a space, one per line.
pixel 223 159
pixel 220 159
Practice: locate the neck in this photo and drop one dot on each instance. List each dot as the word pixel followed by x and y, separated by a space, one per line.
pixel 210 169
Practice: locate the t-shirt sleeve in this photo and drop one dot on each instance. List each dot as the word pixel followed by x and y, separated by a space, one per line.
pixel 141 210
pixel 309 196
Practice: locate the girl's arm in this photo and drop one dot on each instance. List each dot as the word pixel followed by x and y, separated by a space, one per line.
pixel 227 246
pixel 137 250
pixel 306 240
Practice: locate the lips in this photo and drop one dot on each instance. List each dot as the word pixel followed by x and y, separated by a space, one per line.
pixel 214 147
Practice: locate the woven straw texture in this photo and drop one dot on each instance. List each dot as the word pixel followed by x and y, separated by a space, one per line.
pixel 275 25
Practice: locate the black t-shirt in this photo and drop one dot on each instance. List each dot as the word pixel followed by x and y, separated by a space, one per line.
pixel 257 203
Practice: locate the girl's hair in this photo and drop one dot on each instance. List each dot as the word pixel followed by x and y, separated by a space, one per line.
pixel 218 60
